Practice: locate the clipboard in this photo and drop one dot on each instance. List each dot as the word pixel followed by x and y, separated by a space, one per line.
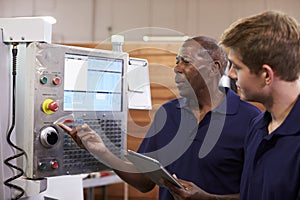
pixel 152 168
pixel 139 94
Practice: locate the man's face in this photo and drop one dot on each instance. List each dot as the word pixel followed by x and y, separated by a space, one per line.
pixel 192 68
pixel 249 84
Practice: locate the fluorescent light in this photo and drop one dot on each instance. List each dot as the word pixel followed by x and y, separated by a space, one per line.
pixel 165 38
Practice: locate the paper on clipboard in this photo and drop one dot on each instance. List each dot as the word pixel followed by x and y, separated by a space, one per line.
pixel 139 96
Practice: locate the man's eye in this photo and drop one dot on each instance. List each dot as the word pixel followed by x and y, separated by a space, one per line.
pixel 236 67
pixel 177 60
pixel 185 61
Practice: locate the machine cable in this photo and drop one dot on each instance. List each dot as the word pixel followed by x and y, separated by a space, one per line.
pixel 20 172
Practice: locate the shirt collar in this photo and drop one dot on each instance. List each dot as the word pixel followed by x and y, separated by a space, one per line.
pixel 182 103
pixel 229 105
pixel 290 125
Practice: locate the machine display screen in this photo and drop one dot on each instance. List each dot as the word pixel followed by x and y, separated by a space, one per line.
pixel 92 83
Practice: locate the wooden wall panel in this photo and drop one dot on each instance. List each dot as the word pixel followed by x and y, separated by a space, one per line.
pixel 161 62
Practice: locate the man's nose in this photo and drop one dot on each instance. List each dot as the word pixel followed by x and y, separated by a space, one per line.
pixel 232 73
pixel 178 68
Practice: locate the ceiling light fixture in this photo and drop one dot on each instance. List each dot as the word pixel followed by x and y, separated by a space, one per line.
pixel 165 38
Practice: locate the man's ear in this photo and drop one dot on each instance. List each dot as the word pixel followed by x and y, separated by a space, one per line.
pixel 267 74
pixel 215 69
pixel 218 65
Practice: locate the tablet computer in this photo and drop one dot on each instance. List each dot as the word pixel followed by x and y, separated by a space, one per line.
pixel 152 168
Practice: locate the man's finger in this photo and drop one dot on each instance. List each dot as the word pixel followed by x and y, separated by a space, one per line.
pixel 67 128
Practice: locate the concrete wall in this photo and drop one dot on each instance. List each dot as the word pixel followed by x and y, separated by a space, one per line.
pixel 96 20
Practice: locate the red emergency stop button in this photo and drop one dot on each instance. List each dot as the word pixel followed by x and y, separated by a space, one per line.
pixel 53 106
pixel 50 106
pixel 54 164
pixel 56 80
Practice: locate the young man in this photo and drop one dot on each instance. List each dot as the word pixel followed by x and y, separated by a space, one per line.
pixel 265 52
pixel 198 137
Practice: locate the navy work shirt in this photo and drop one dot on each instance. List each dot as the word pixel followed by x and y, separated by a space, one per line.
pixel 209 154
pixel 272 161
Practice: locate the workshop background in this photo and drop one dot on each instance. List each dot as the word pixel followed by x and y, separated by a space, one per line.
pixel 90 23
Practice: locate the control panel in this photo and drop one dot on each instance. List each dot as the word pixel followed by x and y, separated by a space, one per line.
pixel 72 85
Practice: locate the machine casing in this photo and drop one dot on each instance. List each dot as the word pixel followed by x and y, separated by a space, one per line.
pixel 41 81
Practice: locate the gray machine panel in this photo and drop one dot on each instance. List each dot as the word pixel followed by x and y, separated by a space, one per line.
pixel 80 85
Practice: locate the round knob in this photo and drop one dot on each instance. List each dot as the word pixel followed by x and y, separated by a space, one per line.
pixel 49 136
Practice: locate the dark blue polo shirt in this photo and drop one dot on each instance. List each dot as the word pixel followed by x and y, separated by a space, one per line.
pixel 209 154
pixel 272 161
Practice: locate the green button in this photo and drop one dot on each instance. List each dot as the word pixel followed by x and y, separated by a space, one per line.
pixel 42 165
pixel 44 80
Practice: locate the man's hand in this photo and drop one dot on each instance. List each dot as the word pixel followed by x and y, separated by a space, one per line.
pixel 86 138
pixel 190 191
pixel 193 192
pixel 72 133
